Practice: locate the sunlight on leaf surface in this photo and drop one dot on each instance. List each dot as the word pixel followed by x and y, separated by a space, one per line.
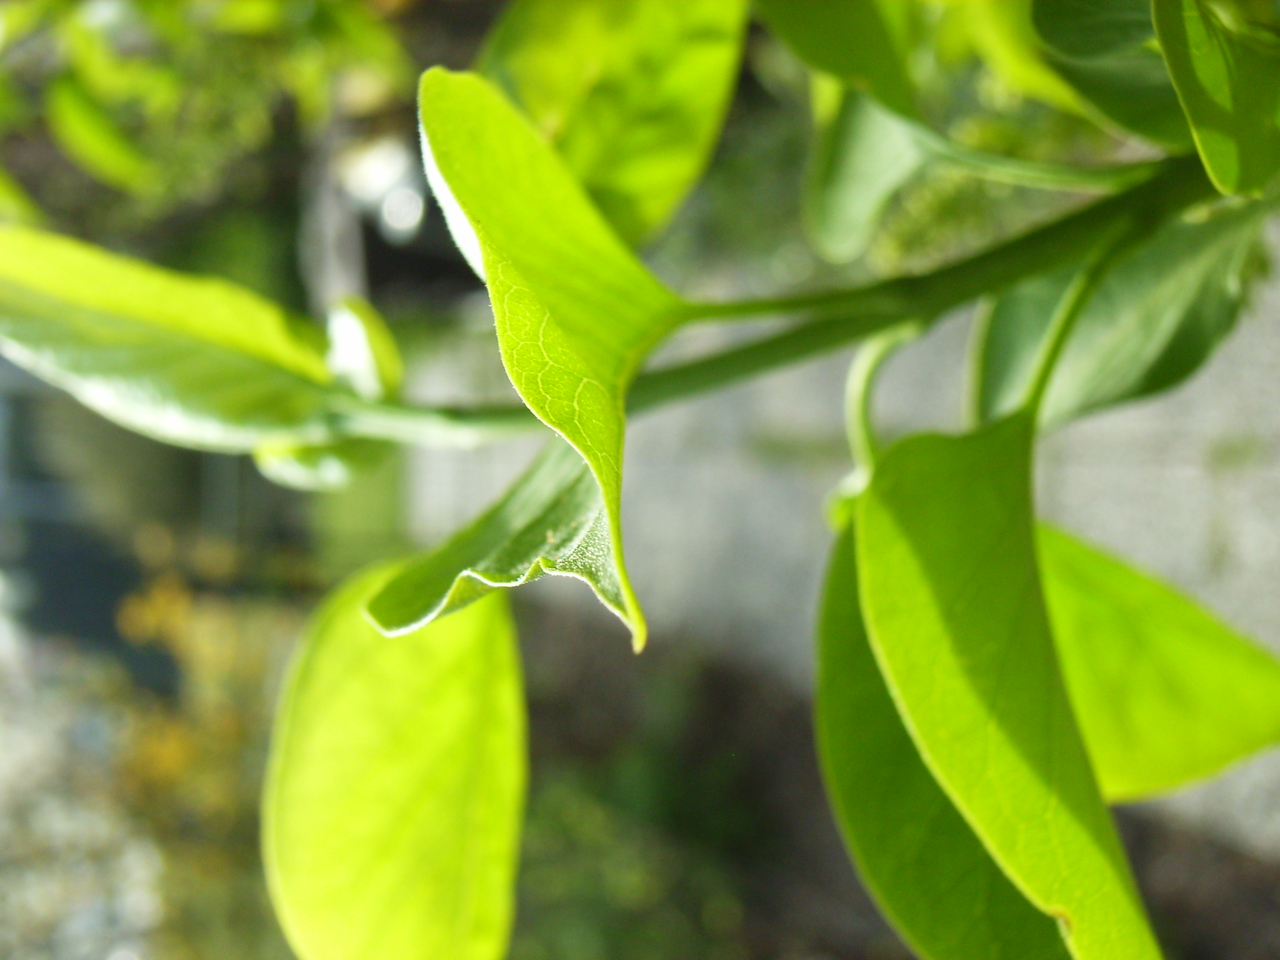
pixel 395 788
pixel 953 607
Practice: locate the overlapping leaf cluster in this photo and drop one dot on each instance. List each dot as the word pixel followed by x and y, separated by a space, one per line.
pixel 987 684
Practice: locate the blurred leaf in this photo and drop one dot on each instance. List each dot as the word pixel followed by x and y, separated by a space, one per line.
pixel 1106 49
pixel 1165 692
pixel 362 350
pixel 90 137
pixel 1156 316
pixel 552 520
pixel 920 860
pixel 191 361
pixel 326 466
pixel 576 312
pixel 853 40
pixel 1002 33
pixel 1225 59
pixel 16 205
pixel 952 601
pixel 393 804
pixel 862 155
pixel 632 93
pixel 114 78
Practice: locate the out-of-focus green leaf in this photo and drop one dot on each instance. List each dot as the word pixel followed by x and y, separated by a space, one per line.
pixel 362 350
pixel 192 361
pixel 951 595
pixel 917 856
pixel 576 312
pixel 1165 692
pixel 852 40
pixel 16 205
pixel 395 787
pixel 1001 32
pixel 322 466
pixel 363 355
pixel 1106 49
pixel 632 93
pixel 552 520
pixel 1155 317
pixel 862 155
pixel 1224 56
pixel 90 137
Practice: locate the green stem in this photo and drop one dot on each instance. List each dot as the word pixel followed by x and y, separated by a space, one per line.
pixel 436 426
pixel 1039 175
pixel 836 318
pixel 860 388
pixel 1180 183
pixel 1069 308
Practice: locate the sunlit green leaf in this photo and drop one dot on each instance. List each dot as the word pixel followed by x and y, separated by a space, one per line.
pixel 552 520
pixel 1224 56
pixel 631 92
pixel 192 361
pixel 90 137
pixel 1106 49
pixel 853 40
pixel 1156 316
pixel 1164 691
pixel 861 156
pixel 576 312
pixel 16 205
pixel 395 787
pixel 951 596
pixel 917 856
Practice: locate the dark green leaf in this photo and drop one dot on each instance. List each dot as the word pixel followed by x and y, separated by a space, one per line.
pixel 953 607
pixel 862 155
pixel 552 520
pixel 853 40
pixel 1165 692
pixel 576 312
pixel 917 856
pixel 1106 49
pixel 196 362
pixel 392 810
pixel 631 92
pixel 1156 316
pixel 1224 56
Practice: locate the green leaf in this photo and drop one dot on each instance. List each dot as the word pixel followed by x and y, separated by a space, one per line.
pixel 1157 315
pixel 953 607
pixel 552 520
pixel 862 156
pixel 576 312
pixel 362 350
pixel 195 362
pixel 395 786
pixel 91 138
pixel 1164 691
pixel 858 41
pixel 917 856
pixel 1224 56
pixel 322 466
pixel 631 92
pixel 1106 50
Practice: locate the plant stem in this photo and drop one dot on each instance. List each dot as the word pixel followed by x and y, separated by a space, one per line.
pixel 435 426
pixel 836 318
pixel 860 389
pixel 1069 308
pixel 1180 183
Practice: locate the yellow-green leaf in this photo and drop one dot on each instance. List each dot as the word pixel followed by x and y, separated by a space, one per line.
pixel 951 594
pixel 919 859
pixel 1165 692
pixel 395 787
pixel 632 93
pixel 576 312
